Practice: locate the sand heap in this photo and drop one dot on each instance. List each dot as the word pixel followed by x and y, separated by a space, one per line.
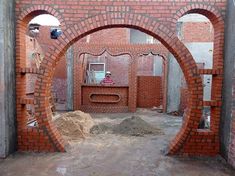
pixel 75 124
pixel 134 126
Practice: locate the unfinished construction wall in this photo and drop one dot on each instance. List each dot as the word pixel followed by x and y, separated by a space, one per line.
pixel 109 36
pixel 149 91
pixel 203 54
pixel 79 18
pixel 33 53
pixel 117 65
pixel 197 33
pixel 7 78
pixel 175 76
pixel 39 44
pixel 98 98
pixel 227 126
pixel 150 65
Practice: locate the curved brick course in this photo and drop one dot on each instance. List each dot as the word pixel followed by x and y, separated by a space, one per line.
pixel 82 17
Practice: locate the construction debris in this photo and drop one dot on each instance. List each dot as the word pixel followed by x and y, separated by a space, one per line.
pixel 102 128
pixel 134 126
pixel 74 125
pixel 159 109
pixel 175 113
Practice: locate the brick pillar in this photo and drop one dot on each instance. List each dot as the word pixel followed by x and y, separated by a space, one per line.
pixel 165 83
pixel 78 80
pixel 132 84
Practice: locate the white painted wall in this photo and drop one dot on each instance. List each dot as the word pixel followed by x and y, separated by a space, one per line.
pixel 202 52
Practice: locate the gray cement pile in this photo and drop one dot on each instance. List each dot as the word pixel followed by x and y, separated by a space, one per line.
pixel 102 128
pixel 74 125
pixel 134 126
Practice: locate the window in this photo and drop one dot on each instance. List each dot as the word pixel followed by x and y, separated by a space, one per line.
pixel 96 73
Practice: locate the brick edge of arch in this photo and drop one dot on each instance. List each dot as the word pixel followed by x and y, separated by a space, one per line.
pixel 72 34
pixel 52 140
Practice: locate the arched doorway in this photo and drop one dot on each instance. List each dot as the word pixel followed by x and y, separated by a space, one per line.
pixel 50 136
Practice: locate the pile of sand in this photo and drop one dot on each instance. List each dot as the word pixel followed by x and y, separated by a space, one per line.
pixel 134 126
pixel 74 125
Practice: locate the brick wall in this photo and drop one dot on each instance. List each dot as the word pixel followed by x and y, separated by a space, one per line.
pixel 117 65
pixel 59 90
pixel 183 99
pixel 79 18
pixel 197 32
pixel 145 66
pixel 184 91
pixel 32 48
pixel 122 69
pixel 96 98
pixel 45 41
pixel 44 37
pixel 40 44
pixel 59 84
pixel 149 91
pixel 115 35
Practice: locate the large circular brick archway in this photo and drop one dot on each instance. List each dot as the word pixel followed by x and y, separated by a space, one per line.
pixel 160 32
pixel 47 136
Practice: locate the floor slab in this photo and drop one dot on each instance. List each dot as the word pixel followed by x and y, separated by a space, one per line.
pixel 117 155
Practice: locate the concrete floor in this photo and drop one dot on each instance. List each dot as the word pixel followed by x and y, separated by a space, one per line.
pixel 115 155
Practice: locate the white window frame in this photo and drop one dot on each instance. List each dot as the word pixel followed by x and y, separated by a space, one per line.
pixel 97 63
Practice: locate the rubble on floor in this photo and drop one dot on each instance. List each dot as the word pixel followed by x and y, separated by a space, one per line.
pixel 74 125
pixel 134 126
pixel 102 128
pixel 175 113
pixel 159 109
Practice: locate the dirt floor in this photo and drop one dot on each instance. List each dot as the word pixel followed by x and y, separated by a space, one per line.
pixel 110 154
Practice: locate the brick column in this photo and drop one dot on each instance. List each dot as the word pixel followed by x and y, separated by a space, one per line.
pixel 165 83
pixel 132 83
pixel 78 80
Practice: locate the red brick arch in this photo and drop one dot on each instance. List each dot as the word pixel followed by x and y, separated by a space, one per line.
pixel 30 138
pixel 110 20
pixel 189 140
pixel 217 20
pixel 211 12
pixel 34 10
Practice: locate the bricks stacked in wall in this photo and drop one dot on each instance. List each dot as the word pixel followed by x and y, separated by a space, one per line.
pixel 158 18
pixel 104 98
pixel 149 91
